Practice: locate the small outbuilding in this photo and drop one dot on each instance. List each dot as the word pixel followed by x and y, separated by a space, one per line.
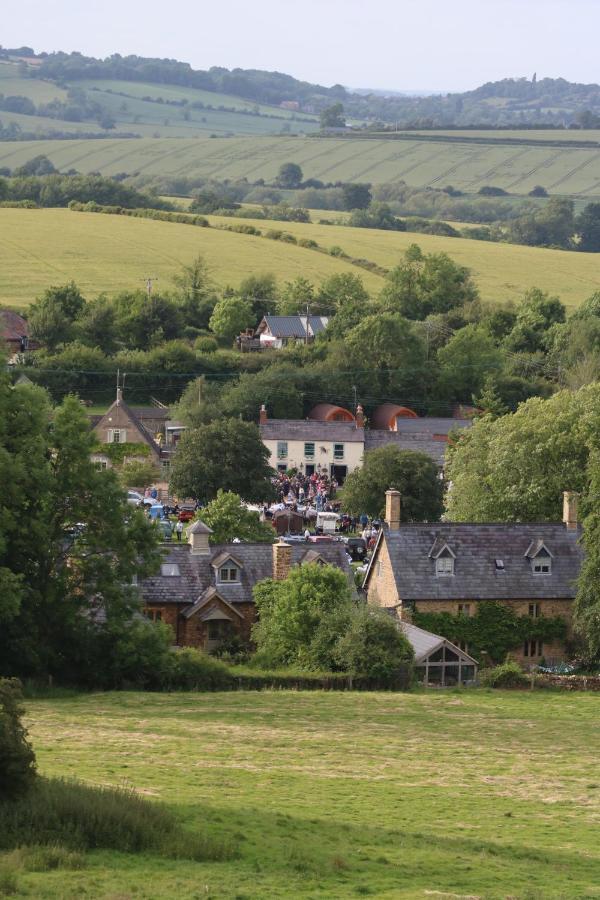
pixel 437 661
pixel 385 416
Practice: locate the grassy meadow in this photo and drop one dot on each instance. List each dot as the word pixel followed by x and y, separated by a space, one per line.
pixel 468 165
pixel 472 794
pixel 112 253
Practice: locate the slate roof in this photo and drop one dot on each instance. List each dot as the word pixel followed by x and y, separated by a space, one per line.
pixel 294 326
pixel 197 574
pixel 476 548
pixel 13 327
pixel 151 412
pixel 311 430
pixel 420 443
pixel 430 425
pixel 134 421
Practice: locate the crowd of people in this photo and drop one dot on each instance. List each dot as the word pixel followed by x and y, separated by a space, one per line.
pixel 299 490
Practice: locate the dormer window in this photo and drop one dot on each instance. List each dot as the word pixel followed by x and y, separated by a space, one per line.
pixel 229 574
pixel 540 558
pixel 444 566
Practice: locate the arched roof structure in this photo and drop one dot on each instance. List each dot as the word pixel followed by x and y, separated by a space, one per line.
pixel 385 416
pixel 329 412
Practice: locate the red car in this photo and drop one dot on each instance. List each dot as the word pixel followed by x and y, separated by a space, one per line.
pixel 186 515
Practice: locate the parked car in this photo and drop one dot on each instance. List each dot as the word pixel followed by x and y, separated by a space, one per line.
pixel 134 498
pixel 166 529
pixel 156 511
pixel 356 548
pixel 186 514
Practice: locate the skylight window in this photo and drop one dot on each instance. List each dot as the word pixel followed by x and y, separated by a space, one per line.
pixel 500 565
pixel 169 570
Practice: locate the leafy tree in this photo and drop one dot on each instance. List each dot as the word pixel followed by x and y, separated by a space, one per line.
pixel 229 519
pixel 231 316
pixel 373 646
pixel 333 116
pixel 143 321
pixel 295 295
pixel 96 325
pixel 138 474
pixel 261 290
pixel 415 475
pixel 300 619
pixel 345 297
pixel 426 283
pixel 536 314
pixel 226 454
pixel 52 316
pixel 515 468
pixel 195 292
pixel 587 602
pixel 275 386
pixel 552 226
pixel 356 196
pixel 289 175
pixel 17 759
pixel 587 226
pixel 466 360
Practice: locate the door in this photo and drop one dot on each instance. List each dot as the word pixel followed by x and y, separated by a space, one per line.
pixel 339 473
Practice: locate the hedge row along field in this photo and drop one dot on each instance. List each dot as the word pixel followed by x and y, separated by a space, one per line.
pixel 112 253
pixel 464 164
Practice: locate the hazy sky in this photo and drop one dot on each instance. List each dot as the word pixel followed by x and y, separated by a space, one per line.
pixel 396 44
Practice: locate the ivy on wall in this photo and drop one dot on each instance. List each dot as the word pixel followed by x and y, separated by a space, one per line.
pixel 118 453
pixel 494 628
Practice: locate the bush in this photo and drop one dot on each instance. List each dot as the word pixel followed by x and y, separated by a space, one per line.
pixel 508 675
pixel 337 251
pixel 308 243
pixel 206 344
pixel 374 647
pixel 80 817
pixel 17 759
pixel 192 670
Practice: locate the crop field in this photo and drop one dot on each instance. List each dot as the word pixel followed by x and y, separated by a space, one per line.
pixel 502 271
pixel 466 165
pixel 39 248
pixel 576 135
pixel 467 794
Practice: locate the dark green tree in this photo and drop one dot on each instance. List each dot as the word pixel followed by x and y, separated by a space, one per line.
pixel 289 175
pixel 17 759
pixel 356 196
pixel 333 116
pixel 261 290
pixel 52 316
pixel 587 226
pixel 415 475
pixel 226 454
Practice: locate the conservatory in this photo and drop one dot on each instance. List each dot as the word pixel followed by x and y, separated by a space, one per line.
pixel 437 661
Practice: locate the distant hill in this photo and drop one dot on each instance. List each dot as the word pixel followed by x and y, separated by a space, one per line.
pixel 512 101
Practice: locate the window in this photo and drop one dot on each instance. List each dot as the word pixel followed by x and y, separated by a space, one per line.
pixel 228 574
pixel 282 449
pixel 533 648
pixel 155 615
pixel 464 609
pixel 338 451
pixel 100 465
pixel 500 565
pixel 444 566
pixel 282 468
pixel 165 465
pixel 541 565
pixel 309 450
pixel 117 436
pixel 169 570
pixel 534 610
pixel 219 629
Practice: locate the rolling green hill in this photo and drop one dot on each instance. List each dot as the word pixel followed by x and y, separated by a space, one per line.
pixel 466 165
pixel 112 253
pixel 39 248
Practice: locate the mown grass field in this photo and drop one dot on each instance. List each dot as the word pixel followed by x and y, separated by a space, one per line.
pixel 467 165
pixel 112 253
pixel 39 248
pixel 450 795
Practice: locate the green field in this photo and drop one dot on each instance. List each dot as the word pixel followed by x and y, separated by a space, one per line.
pixel 112 253
pixel 467 165
pixel 323 795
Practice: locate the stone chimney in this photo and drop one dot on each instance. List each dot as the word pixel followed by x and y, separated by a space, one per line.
pixel 119 395
pixel 197 535
pixel 570 512
pixel 360 416
pixel 262 416
pixel 392 509
pixel 282 560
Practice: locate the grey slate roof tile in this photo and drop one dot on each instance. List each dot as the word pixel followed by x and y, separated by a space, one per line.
pixel 311 430
pixel 477 547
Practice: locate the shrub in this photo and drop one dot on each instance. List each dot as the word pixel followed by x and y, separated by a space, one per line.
pixel 374 647
pixel 206 344
pixel 192 670
pixel 17 759
pixel 337 251
pixel 308 243
pixel 508 675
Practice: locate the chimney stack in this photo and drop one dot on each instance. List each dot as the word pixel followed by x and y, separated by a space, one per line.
pixel 282 560
pixel 197 535
pixel 392 509
pixel 263 418
pixel 360 416
pixel 570 512
pixel 119 395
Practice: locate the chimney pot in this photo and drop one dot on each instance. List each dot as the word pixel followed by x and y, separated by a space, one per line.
pixel 392 509
pixel 282 560
pixel 360 416
pixel 570 510
pixel 263 418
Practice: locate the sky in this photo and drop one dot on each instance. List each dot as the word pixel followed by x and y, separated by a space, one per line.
pixel 429 45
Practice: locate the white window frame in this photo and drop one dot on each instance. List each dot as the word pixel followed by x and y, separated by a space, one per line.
pixel 464 609
pixel 338 451
pixel 122 435
pixel 541 565
pixel 308 453
pixel 229 578
pixel 534 610
pixel 444 566
pixel 282 449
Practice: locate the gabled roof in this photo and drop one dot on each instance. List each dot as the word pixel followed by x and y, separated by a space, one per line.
pixel 217 561
pixel 309 430
pixel 293 326
pixel 13 327
pixel 197 573
pixel 424 643
pixel 439 546
pixel 476 548
pixel 120 403
pixel 210 594
pixel 198 527
pixel 537 547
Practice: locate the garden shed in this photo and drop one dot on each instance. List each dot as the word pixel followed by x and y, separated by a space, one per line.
pixel 437 661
